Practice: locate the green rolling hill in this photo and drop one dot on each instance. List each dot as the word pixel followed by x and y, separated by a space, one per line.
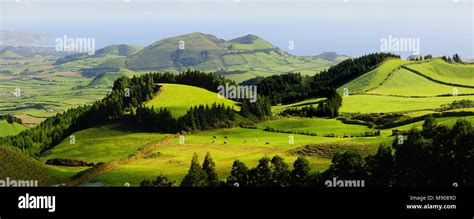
pixel 179 98
pixel 119 50
pixel 238 59
pixel 437 69
pixel 395 86
pixel 406 83
pixel 106 79
pixel 396 77
pixel 407 86
pixel 374 78
pixel 9 54
pixel 112 50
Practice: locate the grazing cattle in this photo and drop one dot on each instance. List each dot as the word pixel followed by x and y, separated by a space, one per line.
pixel 267 142
pixel 214 137
pixel 225 137
pixel 225 142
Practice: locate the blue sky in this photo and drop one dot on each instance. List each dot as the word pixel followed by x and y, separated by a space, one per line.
pixel 353 28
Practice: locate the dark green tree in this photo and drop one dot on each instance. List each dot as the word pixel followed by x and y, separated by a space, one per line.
pixel 239 175
pixel 301 172
pixel 429 127
pixel 348 165
pixel 380 167
pixel 196 176
pixel 261 176
pixel 160 181
pixel 281 172
pixel 210 168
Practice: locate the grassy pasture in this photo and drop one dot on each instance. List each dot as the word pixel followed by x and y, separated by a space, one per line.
pixel 452 73
pixel 7 129
pixel 173 160
pixel 385 104
pixel 406 83
pixel 103 143
pixel 373 78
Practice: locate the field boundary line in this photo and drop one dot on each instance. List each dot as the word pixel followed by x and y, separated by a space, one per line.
pixel 435 80
pixel 389 75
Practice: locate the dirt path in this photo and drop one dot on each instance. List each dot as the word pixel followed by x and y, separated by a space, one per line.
pixel 92 172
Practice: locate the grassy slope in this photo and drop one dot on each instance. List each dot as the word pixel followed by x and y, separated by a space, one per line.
pixel 102 144
pixel 383 104
pixel 447 72
pixel 8 54
pixel 179 98
pixel 17 166
pixel 373 78
pixel 406 83
pixel 395 94
pixel 317 125
pixel 10 129
pixel 221 55
pixel 256 44
pixel 106 79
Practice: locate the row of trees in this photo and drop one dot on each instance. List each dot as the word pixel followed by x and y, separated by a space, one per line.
pixel 208 81
pixel 200 117
pixel 153 120
pixel 457 104
pixel 455 59
pixel 286 88
pixel 11 119
pixel 273 172
pixel 269 172
pixel 204 175
pixel 205 117
pixel 434 156
pixel 260 109
pixel 326 108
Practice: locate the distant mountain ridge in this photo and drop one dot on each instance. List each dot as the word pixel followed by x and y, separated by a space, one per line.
pixel 241 58
pixel 25 38
pixel 14 52
pixel 115 50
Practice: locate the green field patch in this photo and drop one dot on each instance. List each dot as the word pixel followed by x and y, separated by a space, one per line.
pixel 374 78
pixel 7 129
pixel 385 104
pixel 440 70
pixel 406 83
pixel 102 144
pixel 328 150
pixel 321 127
pixel 18 166
pixel 247 145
